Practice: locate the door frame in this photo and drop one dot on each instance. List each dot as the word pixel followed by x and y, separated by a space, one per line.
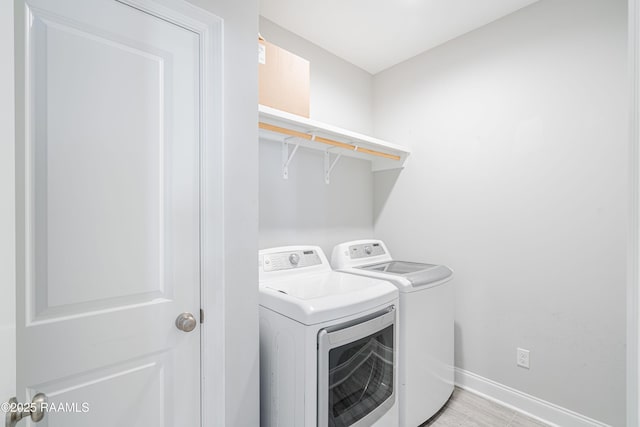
pixel 209 28
pixel 7 204
pixel 633 269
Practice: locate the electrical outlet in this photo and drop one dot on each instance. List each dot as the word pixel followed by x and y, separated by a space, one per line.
pixel 523 358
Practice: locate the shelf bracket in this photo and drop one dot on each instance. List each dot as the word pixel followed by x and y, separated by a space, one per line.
pixel 286 157
pixel 329 165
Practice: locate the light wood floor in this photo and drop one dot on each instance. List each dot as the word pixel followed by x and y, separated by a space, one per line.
pixel 466 409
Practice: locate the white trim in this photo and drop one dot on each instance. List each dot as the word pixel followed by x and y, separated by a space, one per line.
pixel 529 405
pixel 633 277
pixel 7 207
pixel 212 278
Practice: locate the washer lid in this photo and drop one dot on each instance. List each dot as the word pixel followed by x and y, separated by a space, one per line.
pixel 418 274
pixel 321 297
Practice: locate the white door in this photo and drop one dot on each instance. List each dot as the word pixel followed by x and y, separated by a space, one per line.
pixel 108 231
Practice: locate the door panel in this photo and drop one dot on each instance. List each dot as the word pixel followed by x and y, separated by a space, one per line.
pixel 111 211
pixel 143 383
pixel 123 209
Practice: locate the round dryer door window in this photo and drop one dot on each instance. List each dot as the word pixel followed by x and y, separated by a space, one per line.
pixel 357 377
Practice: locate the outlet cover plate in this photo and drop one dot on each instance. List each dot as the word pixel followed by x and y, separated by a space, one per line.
pixel 522 358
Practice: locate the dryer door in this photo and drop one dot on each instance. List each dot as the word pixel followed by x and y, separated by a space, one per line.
pixel 356 370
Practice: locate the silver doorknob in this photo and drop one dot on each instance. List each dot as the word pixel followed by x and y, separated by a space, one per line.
pixel 35 410
pixel 186 322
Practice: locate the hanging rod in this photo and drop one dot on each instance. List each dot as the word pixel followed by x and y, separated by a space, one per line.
pixel 291 132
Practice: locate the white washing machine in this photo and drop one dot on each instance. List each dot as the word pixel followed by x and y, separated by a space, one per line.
pixel 426 319
pixel 328 352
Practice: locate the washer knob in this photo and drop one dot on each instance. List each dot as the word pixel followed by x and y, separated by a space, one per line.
pixel 368 250
pixel 294 259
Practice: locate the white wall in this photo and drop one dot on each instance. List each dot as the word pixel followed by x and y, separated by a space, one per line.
pixel 7 207
pixel 241 401
pixel 633 276
pixel 303 209
pixel 518 181
pixel 340 92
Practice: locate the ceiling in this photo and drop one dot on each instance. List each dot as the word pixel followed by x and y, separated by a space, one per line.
pixel 377 34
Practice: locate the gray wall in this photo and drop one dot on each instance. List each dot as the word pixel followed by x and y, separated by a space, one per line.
pixel 518 181
pixel 7 206
pixel 303 209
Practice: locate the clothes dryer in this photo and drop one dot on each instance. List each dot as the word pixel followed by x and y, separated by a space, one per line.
pixel 328 343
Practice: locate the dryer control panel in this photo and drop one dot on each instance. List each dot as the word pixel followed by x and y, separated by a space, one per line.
pixel 286 260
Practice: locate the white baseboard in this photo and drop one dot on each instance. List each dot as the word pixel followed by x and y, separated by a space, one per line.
pixel 531 406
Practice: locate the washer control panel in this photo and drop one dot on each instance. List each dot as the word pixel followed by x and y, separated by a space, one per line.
pixel 365 250
pixel 291 259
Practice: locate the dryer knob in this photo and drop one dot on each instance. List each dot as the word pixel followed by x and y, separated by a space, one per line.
pixel 368 250
pixel 294 259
